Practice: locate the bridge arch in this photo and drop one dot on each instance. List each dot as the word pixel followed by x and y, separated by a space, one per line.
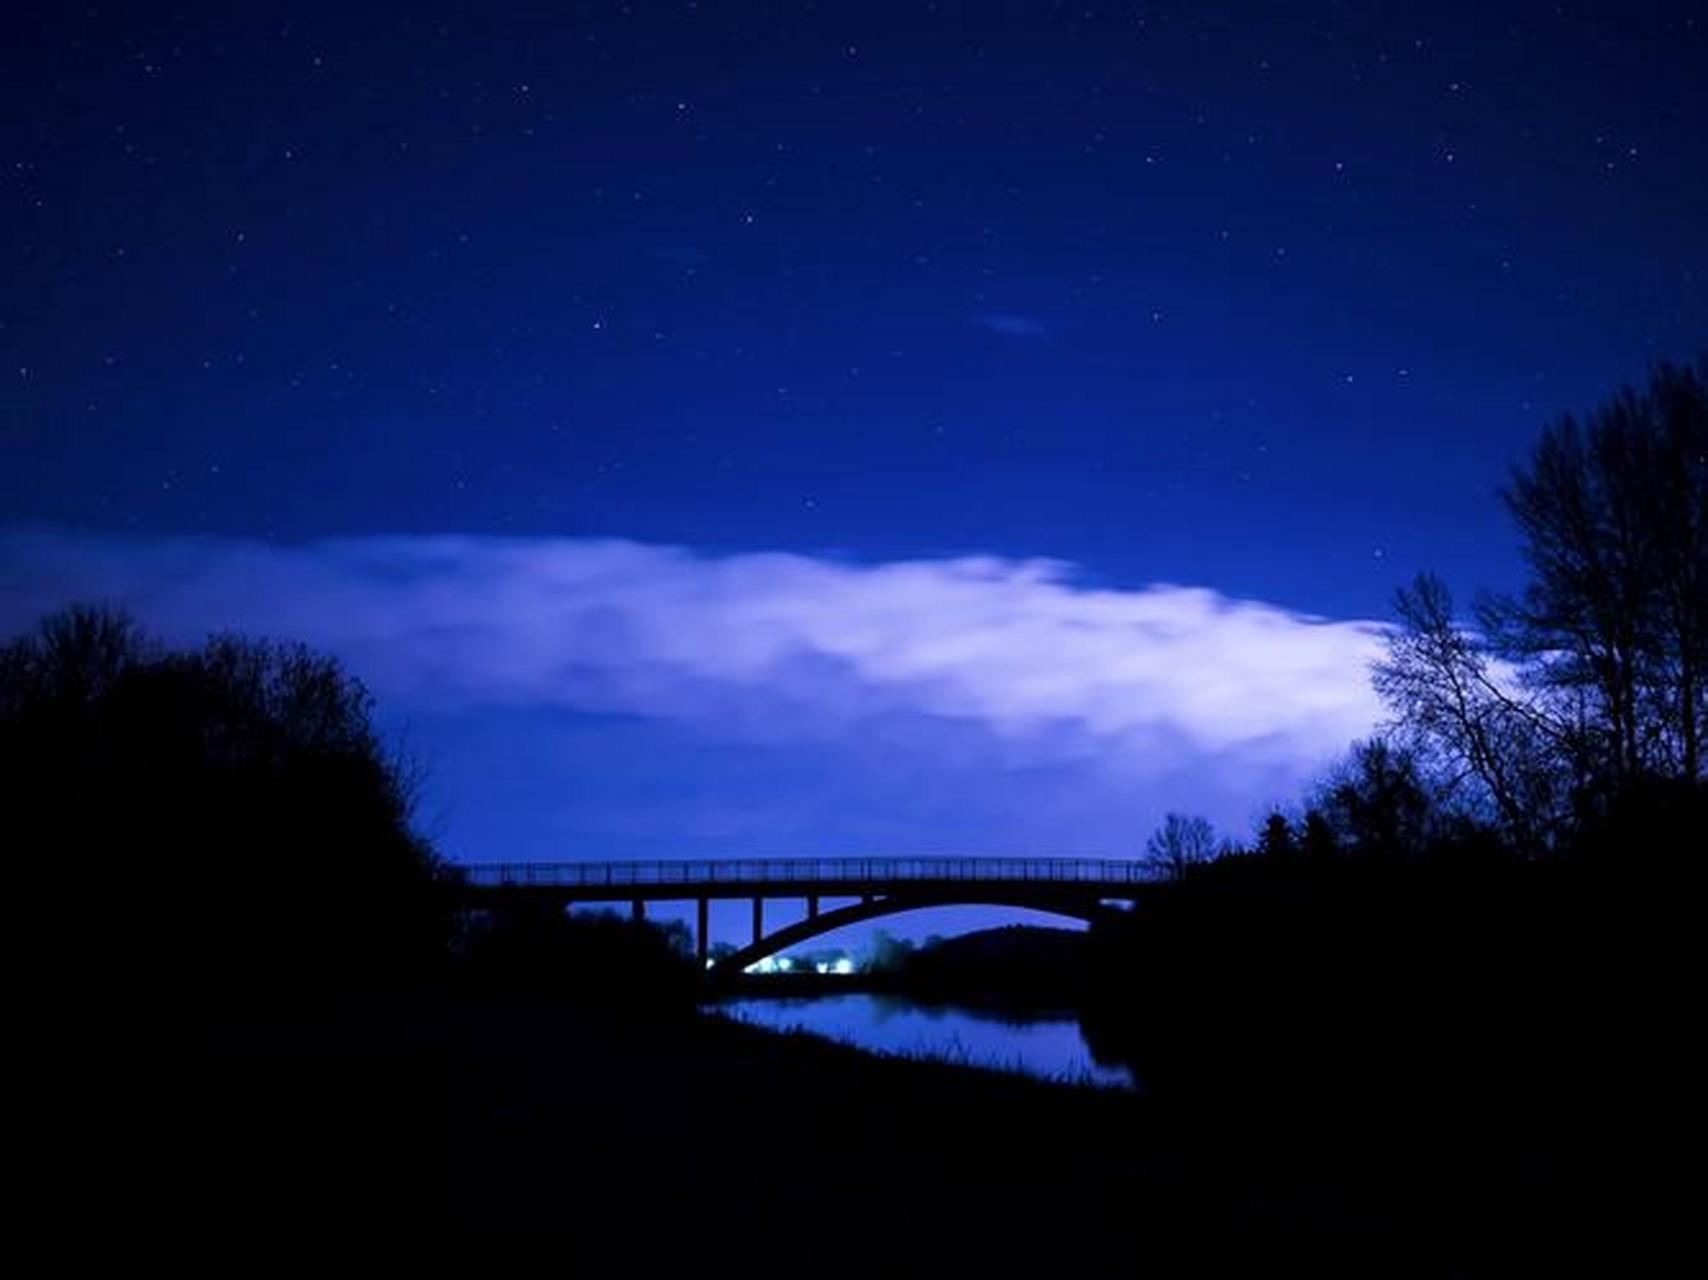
pixel 1074 907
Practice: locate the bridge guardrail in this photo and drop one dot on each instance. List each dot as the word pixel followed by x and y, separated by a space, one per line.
pixel 643 874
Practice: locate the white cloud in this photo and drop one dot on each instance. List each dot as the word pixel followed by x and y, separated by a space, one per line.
pixel 1012 325
pixel 770 647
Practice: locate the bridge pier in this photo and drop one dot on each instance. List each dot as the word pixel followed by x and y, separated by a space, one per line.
pixel 758 920
pixel 637 910
pixel 812 906
pixel 702 942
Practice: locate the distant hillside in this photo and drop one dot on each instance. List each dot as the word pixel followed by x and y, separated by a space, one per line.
pixel 1016 964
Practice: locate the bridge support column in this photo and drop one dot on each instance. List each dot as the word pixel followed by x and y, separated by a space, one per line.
pixel 637 910
pixel 758 919
pixel 812 906
pixel 702 938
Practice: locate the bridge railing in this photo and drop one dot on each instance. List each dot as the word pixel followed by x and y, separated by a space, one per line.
pixel 803 871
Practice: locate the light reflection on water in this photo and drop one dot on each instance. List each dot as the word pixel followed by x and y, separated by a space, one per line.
pixel 1051 1047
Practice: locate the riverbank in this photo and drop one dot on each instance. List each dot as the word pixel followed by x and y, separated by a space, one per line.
pixel 689 1141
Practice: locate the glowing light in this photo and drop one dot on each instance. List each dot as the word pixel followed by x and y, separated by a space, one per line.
pixel 845 965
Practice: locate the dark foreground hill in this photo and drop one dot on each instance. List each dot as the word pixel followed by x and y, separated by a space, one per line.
pixel 507 1124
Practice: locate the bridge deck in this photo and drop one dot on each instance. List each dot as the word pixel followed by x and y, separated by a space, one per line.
pixel 786 877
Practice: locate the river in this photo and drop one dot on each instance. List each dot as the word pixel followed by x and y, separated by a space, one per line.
pixel 1050 1047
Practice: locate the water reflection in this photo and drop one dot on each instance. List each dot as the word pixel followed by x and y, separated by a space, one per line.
pixel 1052 1048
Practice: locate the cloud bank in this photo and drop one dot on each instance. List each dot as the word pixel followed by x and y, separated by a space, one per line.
pixel 968 667
pixel 1012 325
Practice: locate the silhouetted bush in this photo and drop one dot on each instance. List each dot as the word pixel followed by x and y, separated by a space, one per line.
pixel 214 822
pixel 537 948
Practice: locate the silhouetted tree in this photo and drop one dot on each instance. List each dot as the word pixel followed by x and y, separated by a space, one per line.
pixel 1613 514
pixel 1179 843
pixel 887 954
pixel 1317 840
pixel 1377 803
pixel 1275 839
pixel 1489 747
pixel 213 819
pixel 1594 678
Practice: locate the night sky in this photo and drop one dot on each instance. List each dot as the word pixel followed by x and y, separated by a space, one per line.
pixel 760 428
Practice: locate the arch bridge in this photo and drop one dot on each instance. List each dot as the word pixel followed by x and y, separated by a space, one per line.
pixel 1080 888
